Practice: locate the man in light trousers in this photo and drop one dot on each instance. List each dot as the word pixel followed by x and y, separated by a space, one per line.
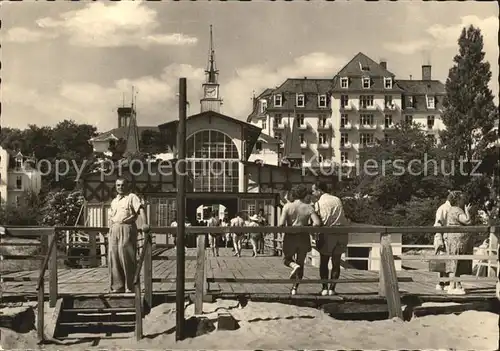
pixel 126 207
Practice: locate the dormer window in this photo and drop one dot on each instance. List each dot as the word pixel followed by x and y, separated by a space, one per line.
pixel 277 100
pixel 388 83
pixel 366 82
pixel 263 106
pixel 300 100
pixel 431 103
pixel 19 162
pixel 344 83
pixel 410 101
pixel 322 101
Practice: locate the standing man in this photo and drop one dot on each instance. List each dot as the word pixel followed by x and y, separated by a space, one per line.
pixel 297 213
pixel 330 246
pixel 126 207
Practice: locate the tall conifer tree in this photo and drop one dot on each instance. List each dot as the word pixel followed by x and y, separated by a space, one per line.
pixel 469 111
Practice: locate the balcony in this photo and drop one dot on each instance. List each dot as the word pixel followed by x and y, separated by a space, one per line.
pixel 388 127
pixel 391 107
pixel 365 107
pixel 347 163
pixel 324 145
pixel 372 126
pixel 348 107
pixel 303 126
pixel 346 145
pixel 346 126
pixel 327 163
pixel 278 126
pixel 366 145
pixel 324 126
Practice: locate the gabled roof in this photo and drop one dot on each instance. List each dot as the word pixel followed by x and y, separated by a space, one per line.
pixel 354 68
pixel 311 88
pixel 250 132
pixel 304 85
pixel 121 133
pixel 266 94
pixel 422 87
pixel 207 114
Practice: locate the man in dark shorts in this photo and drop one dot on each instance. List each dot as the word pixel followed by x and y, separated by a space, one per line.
pixel 297 213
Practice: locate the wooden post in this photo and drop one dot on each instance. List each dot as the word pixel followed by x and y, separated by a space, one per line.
pixel 493 247
pixel 388 285
pixel 181 210
pixel 41 312
pixel 138 311
pixel 148 271
pixel 93 249
pixel 200 274
pixel 53 272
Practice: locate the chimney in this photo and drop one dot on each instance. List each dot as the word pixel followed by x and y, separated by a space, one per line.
pixel 124 115
pixel 426 72
pixel 383 64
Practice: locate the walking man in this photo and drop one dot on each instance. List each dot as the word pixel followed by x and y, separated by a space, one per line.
pixel 126 207
pixel 213 222
pixel 237 221
pixel 330 246
pixel 297 213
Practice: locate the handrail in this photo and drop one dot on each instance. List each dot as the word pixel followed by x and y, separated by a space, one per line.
pixel 45 263
pixel 344 229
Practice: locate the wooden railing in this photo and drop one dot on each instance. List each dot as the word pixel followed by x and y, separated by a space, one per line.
pixel 388 279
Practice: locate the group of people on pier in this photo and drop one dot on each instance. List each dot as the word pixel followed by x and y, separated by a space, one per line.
pixel 303 207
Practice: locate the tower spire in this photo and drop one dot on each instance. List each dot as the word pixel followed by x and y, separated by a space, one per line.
pixel 211 71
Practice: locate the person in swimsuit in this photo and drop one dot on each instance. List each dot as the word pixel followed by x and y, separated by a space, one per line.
pixel 297 213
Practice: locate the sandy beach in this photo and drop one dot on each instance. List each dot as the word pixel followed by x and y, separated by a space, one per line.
pixel 280 326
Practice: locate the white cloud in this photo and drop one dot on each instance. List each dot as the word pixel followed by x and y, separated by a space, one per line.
pixel 440 36
pixel 238 92
pixel 124 23
pixel 157 99
pixel 91 103
pixel 25 35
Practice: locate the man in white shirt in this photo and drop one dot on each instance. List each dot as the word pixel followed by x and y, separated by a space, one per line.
pixel 330 246
pixel 122 246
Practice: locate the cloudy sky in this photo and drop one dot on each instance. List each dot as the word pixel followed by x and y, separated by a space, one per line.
pixel 76 60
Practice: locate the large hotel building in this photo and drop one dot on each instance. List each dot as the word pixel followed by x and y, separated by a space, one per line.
pixel 333 118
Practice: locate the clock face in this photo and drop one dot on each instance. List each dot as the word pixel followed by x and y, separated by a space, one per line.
pixel 211 92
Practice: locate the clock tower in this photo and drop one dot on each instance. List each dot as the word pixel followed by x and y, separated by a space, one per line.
pixel 211 100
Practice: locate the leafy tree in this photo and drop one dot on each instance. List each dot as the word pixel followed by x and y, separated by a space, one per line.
pixel 26 213
pixel 410 165
pixel 66 141
pixel 469 111
pixel 62 208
